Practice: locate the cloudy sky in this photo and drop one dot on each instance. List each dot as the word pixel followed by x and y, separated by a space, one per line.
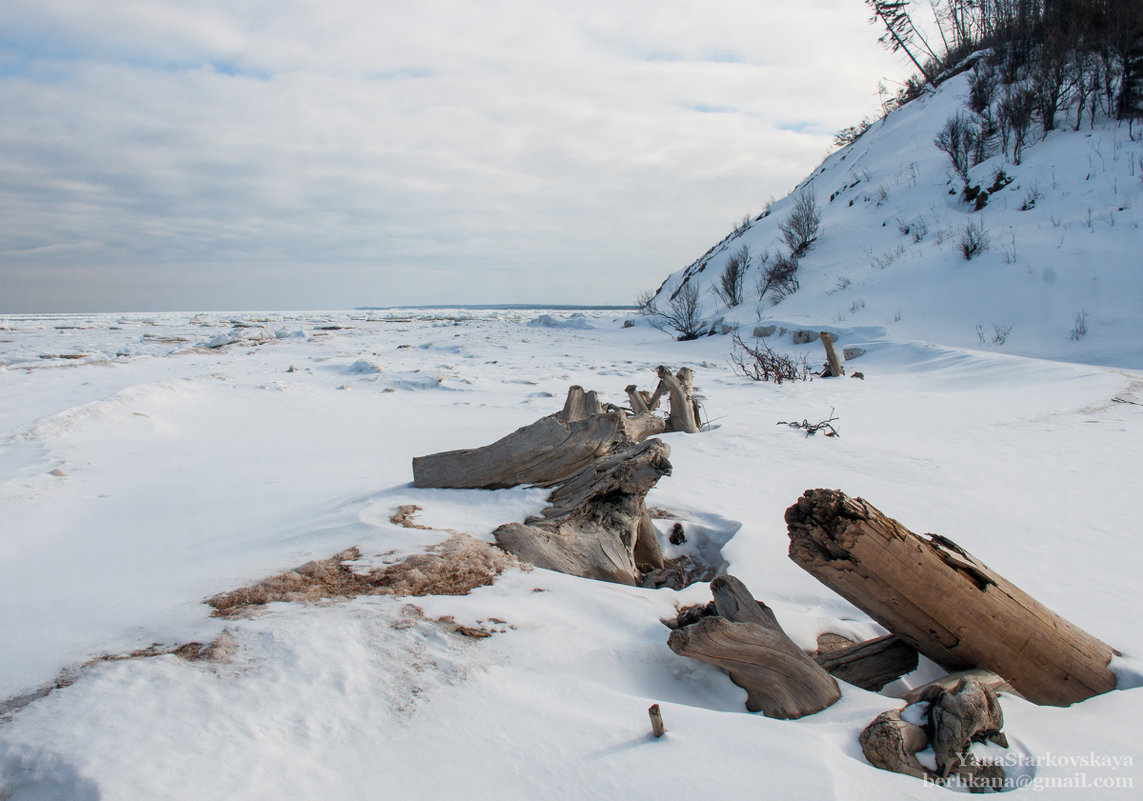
pixel 285 154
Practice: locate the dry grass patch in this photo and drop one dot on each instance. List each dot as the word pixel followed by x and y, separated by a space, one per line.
pixel 456 566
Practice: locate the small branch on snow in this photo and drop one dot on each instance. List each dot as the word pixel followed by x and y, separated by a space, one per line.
pixel 813 428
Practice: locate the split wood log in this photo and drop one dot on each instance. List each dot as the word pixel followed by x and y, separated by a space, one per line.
pixel 597 525
pixel 943 601
pixel 833 364
pixel 745 640
pixel 872 664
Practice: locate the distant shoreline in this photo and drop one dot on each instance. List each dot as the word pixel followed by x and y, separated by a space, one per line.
pixel 502 307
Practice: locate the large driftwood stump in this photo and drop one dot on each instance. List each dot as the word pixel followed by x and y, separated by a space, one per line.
pixel 600 462
pixel 544 453
pixel 597 525
pixel 561 445
pixel 744 639
pixel 943 601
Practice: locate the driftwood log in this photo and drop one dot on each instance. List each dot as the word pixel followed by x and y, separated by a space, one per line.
pixel 742 636
pixel 601 464
pixel 597 525
pixel 955 715
pixel 563 444
pixel 872 664
pixel 544 453
pixel 943 601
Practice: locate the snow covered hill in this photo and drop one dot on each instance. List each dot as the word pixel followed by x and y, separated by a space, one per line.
pixel 1061 278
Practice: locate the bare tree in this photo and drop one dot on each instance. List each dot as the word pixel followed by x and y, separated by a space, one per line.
pixel 901 34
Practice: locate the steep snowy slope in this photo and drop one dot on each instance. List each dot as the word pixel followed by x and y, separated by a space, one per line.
pixel 1064 240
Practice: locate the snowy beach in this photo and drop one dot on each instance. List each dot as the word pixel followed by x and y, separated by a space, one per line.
pixel 178 456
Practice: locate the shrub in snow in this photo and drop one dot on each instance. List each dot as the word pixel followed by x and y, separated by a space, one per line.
pixel 1079 326
pixel 779 278
pixel 801 228
pixel 683 314
pixel 973 240
pixel 956 140
pixel 760 363
pixel 729 287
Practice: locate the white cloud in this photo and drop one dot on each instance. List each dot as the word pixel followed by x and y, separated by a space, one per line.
pixel 364 153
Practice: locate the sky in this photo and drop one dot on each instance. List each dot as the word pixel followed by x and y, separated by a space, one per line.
pixel 246 154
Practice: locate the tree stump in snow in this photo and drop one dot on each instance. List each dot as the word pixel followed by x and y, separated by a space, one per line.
pixel 944 602
pixel 744 639
pixel 597 525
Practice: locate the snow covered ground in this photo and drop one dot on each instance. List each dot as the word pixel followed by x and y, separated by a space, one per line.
pixel 150 471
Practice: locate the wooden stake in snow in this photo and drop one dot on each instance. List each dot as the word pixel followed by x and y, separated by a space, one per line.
pixel 943 601
pixel 657 727
pixel 833 363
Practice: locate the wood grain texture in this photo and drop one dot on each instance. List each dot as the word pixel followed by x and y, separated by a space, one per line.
pixel 943 601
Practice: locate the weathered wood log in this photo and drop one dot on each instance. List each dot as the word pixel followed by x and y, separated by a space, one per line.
pixel 580 405
pixel 872 664
pixel 560 445
pixel 745 640
pixel 943 601
pixel 548 451
pixel 733 601
pixel 680 390
pixel 957 711
pixel 968 713
pixel 833 364
pixel 638 402
pixel 891 743
pixel 597 525
pixel 993 681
